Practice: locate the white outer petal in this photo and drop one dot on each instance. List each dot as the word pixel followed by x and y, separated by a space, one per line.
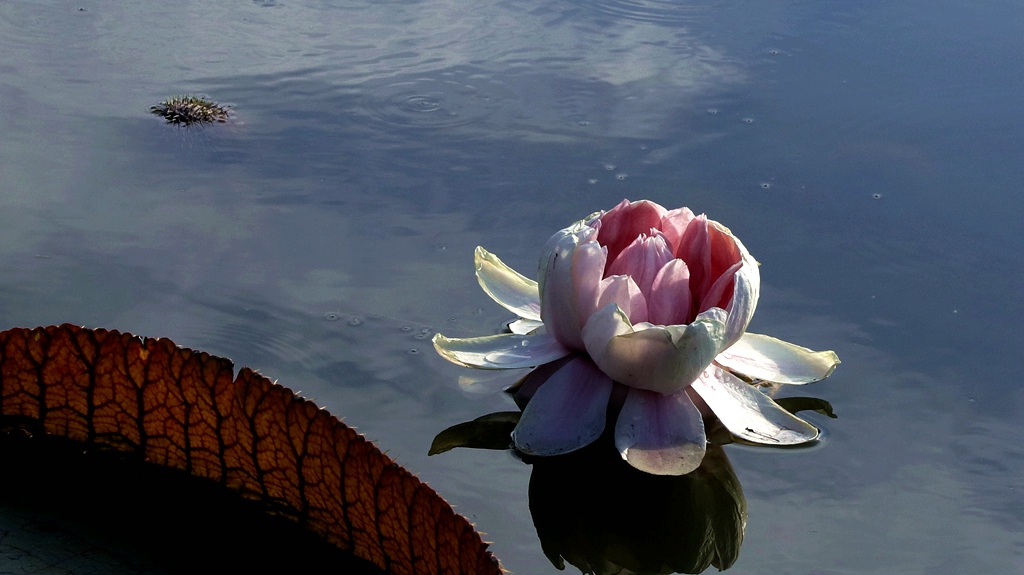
pixel 746 290
pixel 748 413
pixel 524 326
pixel 558 309
pixel 504 351
pixel 488 381
pixel 659 358
pixel 509 288
pixel 767 358
pixel 660 434
pixel 549 246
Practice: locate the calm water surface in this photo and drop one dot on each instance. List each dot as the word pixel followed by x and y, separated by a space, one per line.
pixel 869 156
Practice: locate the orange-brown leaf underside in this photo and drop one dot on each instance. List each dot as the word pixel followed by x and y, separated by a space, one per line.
pixel 186 410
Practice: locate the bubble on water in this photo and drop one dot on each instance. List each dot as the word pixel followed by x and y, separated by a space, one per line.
pixel 331 316
pixel 592 181
pixel 748 120
pixel 413 351
pixel 405 328
pixel 712 111
pixel 773 52
pixel 453 319
pixel 621 176
pixel 876 196
pixel 355 320
pixel 765 185
pixel 583 123
pixel 609 167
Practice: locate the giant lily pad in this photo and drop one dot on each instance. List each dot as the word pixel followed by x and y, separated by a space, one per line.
pixel 186 410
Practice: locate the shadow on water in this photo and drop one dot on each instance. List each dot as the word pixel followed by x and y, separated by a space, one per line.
pixel 104 512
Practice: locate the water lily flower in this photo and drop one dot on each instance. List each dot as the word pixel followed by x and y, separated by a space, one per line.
pixel 655 300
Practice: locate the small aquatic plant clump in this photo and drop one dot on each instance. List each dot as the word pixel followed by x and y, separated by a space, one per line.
pixel 189 110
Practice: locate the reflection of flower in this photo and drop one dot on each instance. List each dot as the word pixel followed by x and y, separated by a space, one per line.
pixel 658 301
pixel 667 525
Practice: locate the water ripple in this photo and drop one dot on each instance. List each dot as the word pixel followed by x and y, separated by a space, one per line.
pixel 663 12
pixel 428 102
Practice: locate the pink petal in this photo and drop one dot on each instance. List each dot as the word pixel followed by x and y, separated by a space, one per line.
pixel 588 263
pixel 725 253
pixel 670 302
pixel 673 224
pixel 720 292
pixel 567 412
pixel 695 249
pixel 522 391
pixel 625 222
pixel 660 434
pixel 623 292
pixel 642 260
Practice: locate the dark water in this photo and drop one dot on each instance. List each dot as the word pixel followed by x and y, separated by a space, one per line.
pixel 868 154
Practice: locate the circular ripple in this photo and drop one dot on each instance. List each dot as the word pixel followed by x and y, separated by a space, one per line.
pixel 666 12
pixel 429 102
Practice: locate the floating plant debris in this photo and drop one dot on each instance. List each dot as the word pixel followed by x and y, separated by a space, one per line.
pixel 189 110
